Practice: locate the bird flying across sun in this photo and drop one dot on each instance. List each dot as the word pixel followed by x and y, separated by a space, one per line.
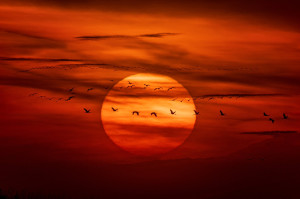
pixel 114 109
pixel 135 112
pixel 154 113
pixel 172 112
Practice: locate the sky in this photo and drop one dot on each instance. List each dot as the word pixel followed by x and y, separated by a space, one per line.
pixel 239 57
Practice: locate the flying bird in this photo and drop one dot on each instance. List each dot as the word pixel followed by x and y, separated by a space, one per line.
pixel 196 112
pixel 86 110
pixel 153 113
pixel 170 88
pixel 114 109
pixel 89 89
pixel 272 120
pixel 137 113
pixel 59 99
pixel 265 114
pixel 32 94
pixel 70 98
pixel 158 88
pixel 172 112
pixel 221 112
pixel 130 82
pixel 147 85
pixel 71 90
pixel 285 116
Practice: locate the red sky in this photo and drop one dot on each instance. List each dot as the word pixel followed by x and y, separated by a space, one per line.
pixel 240 57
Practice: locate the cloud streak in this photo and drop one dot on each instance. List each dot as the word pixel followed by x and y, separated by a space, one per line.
pixel 268 132
pixel 100 37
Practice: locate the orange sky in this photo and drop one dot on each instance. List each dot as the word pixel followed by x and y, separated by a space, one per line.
pixel 48 48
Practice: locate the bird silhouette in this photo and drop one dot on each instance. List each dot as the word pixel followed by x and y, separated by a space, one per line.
pixel 158 88
pixel 265 114
pixel 221 112
pixel 272 120
pixel 86 110
pixel 69 98
pixel 71 90
pixel 172 112
pixel 196 112
pixel 153 113
pixel 130 82
pixel 137 113
pixel 89 89
pixel 285 116
pixel 32 94
pixel 114 109
pixel 170 88
pixel 147 85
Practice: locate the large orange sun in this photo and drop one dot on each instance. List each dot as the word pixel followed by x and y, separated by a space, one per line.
pixel 127 119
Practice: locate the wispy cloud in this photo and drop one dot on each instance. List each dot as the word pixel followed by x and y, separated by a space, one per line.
pixel 99 37
pixel 268 132
pixel 38 59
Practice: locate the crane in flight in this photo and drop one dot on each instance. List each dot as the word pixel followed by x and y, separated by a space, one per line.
pixel 221 112
pixel 153 113
pixel 196 112
pixel 135 112
pixel 87 110
pixel 69 98
pixel 114 109
pixel 172 112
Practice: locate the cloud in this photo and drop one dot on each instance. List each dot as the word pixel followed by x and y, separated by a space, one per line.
pixel 38 59
pixel 99 37
pixel 278 13
pixel 268 132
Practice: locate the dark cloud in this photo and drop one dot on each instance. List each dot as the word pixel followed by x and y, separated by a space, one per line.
pixel 99 37
pixel 38 59
pixel 278 12
pixel 82 65
pixel 24 34
pixel 268 132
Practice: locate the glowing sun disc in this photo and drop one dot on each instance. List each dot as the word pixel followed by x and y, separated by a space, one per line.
pixel 127 119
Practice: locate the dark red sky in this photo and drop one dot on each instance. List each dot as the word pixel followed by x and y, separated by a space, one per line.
pixel 241 57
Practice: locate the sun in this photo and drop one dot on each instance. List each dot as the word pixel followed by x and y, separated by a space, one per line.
pixel 148 114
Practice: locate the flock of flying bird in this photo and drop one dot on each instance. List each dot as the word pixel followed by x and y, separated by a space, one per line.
pixel 131 85
pixel 195 113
